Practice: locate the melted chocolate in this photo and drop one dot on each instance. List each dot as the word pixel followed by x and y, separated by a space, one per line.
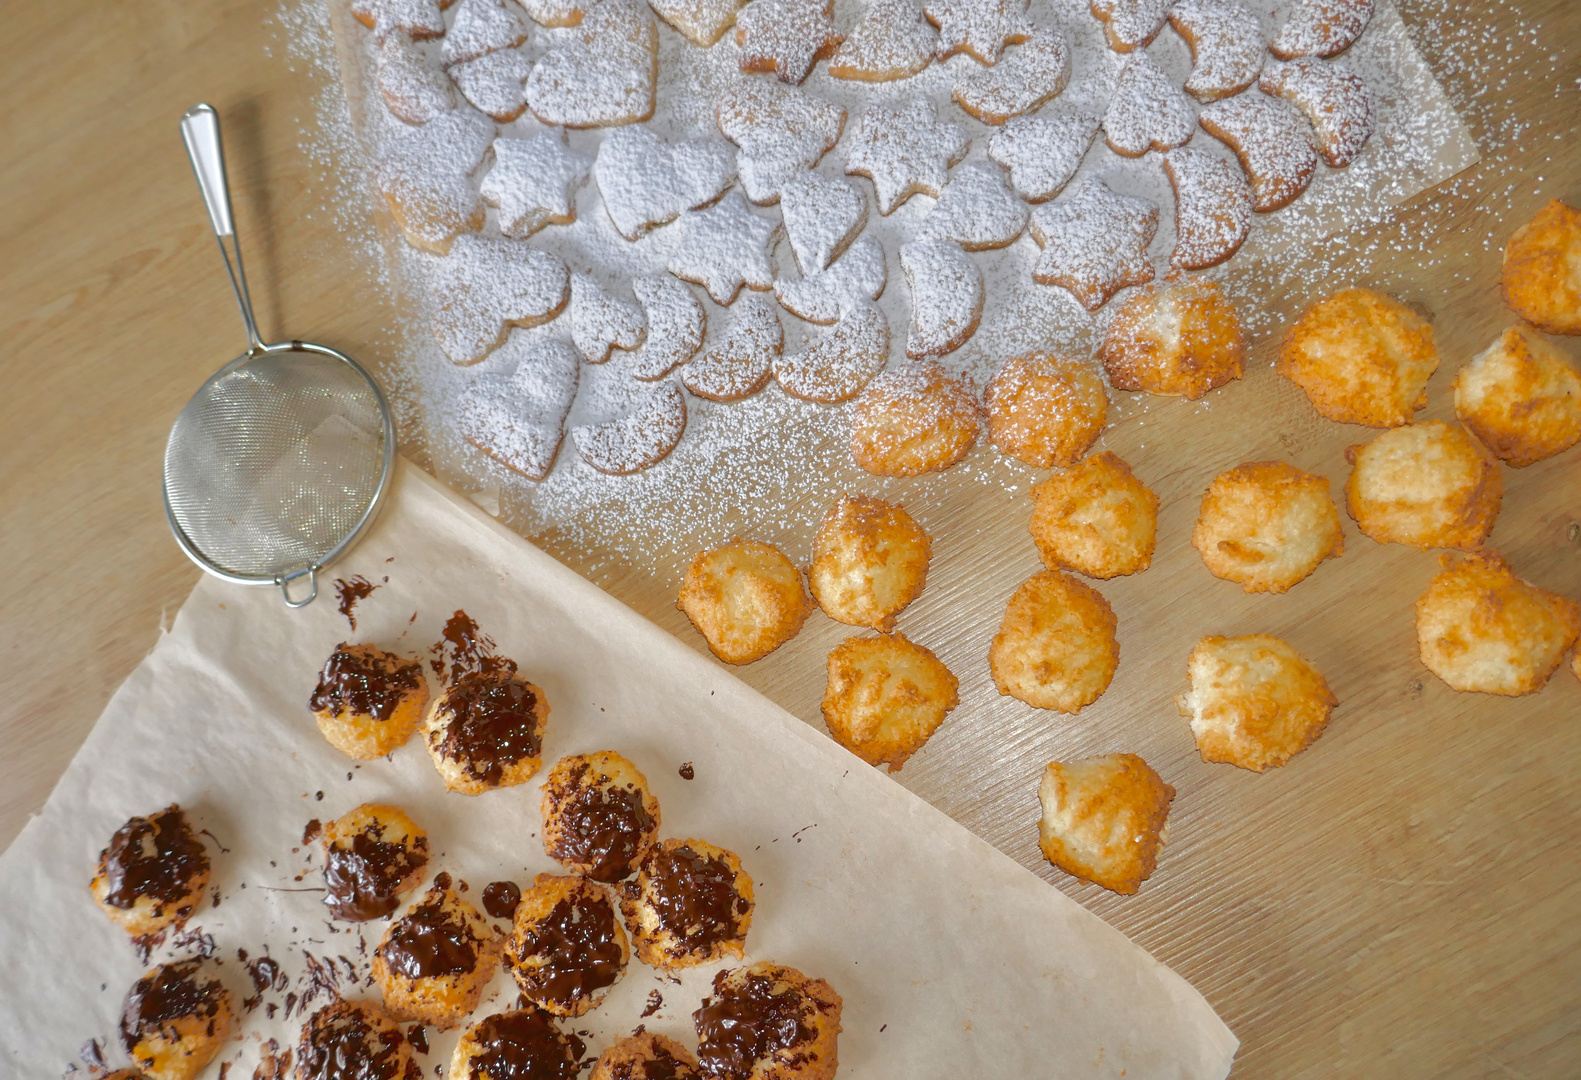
pixel 361 881
pixel 522 1045
pixel 266 975
pixel 695 897
pixel 338 1043
pixel 659 1064
pixel 739 1025
pixel 655 1003
pixel 468 650
pixel 577 944
pixel 155 857
pixel 418 1037
pixel 310 833
pixel 365 685
pixel 687 772
pixel 492 723
pixel 601 827
pixel 169 993
pixel 430 940
pixel 348 592
pixel 500 898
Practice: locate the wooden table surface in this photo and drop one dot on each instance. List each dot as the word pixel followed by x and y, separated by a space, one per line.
pixel 1399 902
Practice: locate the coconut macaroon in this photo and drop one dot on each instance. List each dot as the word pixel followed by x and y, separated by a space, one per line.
pixel 1056 647
pixel 745 598
pixel 566 947
pixel 869 560
pixel 152 874
pixel 1426 485
pixel 1044 409
pixel 1180 337
pixel 486 731
pixel 1266 525
pixel 691 904
pixel 886 696
pixel 913 419
pixel 373 856
pixel 1521 397
pixel 599 818
pixel 1254 702
pixel 516 1045
pixel 1104 819
pixel 1362 357
pixel 646 1055
pixel 1542 270
pixel 1095 518
pixel 352 1038
pixel 176 1019
pixel 436 959
pixel 768 1022
pixel 368 701
pixel 1480 628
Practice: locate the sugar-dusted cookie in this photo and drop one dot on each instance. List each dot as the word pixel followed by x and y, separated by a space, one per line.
pixel 1429 485
pixel 646 182
pixel 1213 208
pixel 557 12
pixel 412 85
pixel 676 325
pixel 779 131
pixel 603 74
pixel 1273 141
pixel 885 698
pixel 838 365
pixel 367 701
pixel 768 1022
pixel 1104 819
pixel 914 418
pixel 1226 46
pixel 1042 152
pixel 852 280
pixel 425 176
pixel 177 1018
pixel 518 1044
pixel 1254 701
pixel 1025 77
pixel 1362 357
pixel 869 561
pixel 414 18
pixel 495 83
pixel 1147 111
pixel 434 961
pixel 946 296
pixel 1094 242
pixel 601 322
pixel 905 151
pixel 1181 336
pixel 485 286
pixel 746 599
pixel 1521 397
pixel 1095 518
pixel 1321 28
pixel 691 904
pixel 567 947
pixel 1056 647
pixel 1044 409
pixel 1266 525
pixel 645 1055
pixel 1334 98
pixel 1130 24
pixel 152 875
pixel 702 22
pixel 786 37
pixel 640 437
pixel 822 216
pixel 894 40
pixel 725 246
pixel 976 210
pixel 599 817
pixel 533 181
pixel 481 27
pixel 518 419
pixel 1542 270
pixel 981 28
pixel 743 362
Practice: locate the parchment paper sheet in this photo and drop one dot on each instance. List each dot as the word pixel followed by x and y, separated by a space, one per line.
pixel 953 961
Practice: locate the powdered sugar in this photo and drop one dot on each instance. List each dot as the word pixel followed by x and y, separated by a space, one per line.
pixel 676 323
pixel 481 27
pixel 701 21
pixel 1148 111
pixel 601 322
pixel 1213 208
pixel 1273 142
pixel 533 182
pixel 495 83
pixel 979 27
pixel 518 417
pixel 839 364
pixel 1130 24
pixel 1094 242
pixel 1333 97
pixel 413 87
pixel 1226 46
pixel 780 131
pixel 645 182
pixel 742 362
pixel 1042 152
pixel 724 247
pixel 822 216
pixel 893 40
pixel 557 12
pixel 786 37
pixel 486 285
pixel 638 439
pixel 424 176
pixel 602 73
pixel 976 210
pixel 1321 28
pixel 1025 77
pixel 414 18
pixel 946 296
pixel 854 278
pixel 904 151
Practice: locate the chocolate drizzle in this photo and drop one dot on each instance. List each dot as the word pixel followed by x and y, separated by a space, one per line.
pixel 500 898
pixel 349 591
pixel 364 681
pixel 576 945
pixel 362 881
pixel 155 857
pixel 522 1045
pixel 432 939
pixel 339 1043
pixel 657 1064
pixel 466 650
pixel 695 897
pixel 601 827
pixel 492 723
pixel 740 1024
pixel 169 993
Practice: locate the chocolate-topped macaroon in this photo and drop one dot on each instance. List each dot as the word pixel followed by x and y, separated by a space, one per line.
pixel 351 1040
pixel 436 959
pixel 566 948
pixel 691 904
pixel 768 1022
pixel 372 857
pixel 176 1019
pixel 486 731
pixel 523 1044
pixel 153 873
pixel 599 818
pixel 368 701
pixel 646 1055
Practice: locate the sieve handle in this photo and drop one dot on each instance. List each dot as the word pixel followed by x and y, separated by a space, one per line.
pixel 200 130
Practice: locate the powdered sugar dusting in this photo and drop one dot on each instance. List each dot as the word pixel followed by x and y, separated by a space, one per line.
pixel 904 151
pixel 892 41
pixel 786 37
pixel 640 438
pixel 414 88
pixel 1321 27
pixel 676 323
pixel 518 417
pixel 946 296
pixel 780 131
pixel 1334 98
pixel 854 278
pixel 1213 208
pixel 844 360
pixel 1025 77
pixel 481 27
pixel 1148 111
pixel 976 210
pixel 1273 142
pixel 601 322
pixel 1094 242
pixel 486 284
pixel 743 361
pixel 724 247
pixel 1042 152
pixel 533 182
pixel 1226 42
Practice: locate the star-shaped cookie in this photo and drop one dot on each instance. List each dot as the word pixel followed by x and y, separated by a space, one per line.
pixel 786 37
pixel 905 151
pixel 725 246
pixel 487 285
pixel 1094 242
pixel 518 419
pixel 980 27
pixel 779 131
pixel 532 183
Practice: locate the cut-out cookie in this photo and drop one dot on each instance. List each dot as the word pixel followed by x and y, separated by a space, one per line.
pixel 724 247
pixel 855 278
pixel 780 131
pixel 532 182
pixel 842 362
pixel 1273 142
pixel 1042 152
pixel 1021 82
pixel 822 217
pixel 519 419
pixel 482 27
pixel 1213 208
pixel 557 12
pixel 1226 46
pixel 894 40
pixel 641 437
pixel 1147 112
pixel 980 27
pixel 1333 97
pixel 495 83
pixel 1130 24
pixel 786 37
pixel 601 322
pixel 645 182
pixel 604 75
pixel 1094 242
pixel 414 18
pixel 485 286
pixel 905 151
pixel 425 177
pixel 413 87
pixel 702 22
pixel 1322 28
pixel 743 363
pixel 676 324
pixel 976 210
pixel 946 296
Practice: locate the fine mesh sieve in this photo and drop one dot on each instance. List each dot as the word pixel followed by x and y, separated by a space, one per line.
pixel 280 461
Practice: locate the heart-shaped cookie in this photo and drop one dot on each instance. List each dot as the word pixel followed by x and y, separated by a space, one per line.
pixel 487 285
pixel 518 419
pixel 604 75
pixel 822 216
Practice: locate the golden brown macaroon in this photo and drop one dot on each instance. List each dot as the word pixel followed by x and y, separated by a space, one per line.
pixel 869 560
pixel 515 1045
pixel 646 1055
pixel 886 696
pixel 1254 702
pixel 125 1074
pixel 1056 647
pixel 153 873
pixel 176 1019
pixel 1180 337
pixel 1266 525
pixel 566 947
pixel 1044 409
pixel 745 598
pixel 486 731
pixel 913 419
pixel 352 1038
pixel 1095 518
pixel 368 701
pixel 599 818
pixel 435 960
pixel 373 856
pixel 768 1022
pixel 1362 357
pixel 691 904
pixel 1542 270
pixel 1104 819
pixel 1480 628
pixel 1521 397
pixel 1426 485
